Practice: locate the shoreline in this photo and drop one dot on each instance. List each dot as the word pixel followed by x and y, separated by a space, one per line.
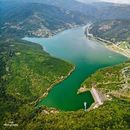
pixel 108 44
pixel 98 98
pixel 97 95
pixel 52 33
pixel 55 82
pixel 51 87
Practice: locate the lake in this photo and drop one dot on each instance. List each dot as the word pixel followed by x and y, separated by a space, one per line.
pixel 87 56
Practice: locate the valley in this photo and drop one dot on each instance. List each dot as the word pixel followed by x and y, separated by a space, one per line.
pixel 36 20
pixel 57 75
pixel 87 55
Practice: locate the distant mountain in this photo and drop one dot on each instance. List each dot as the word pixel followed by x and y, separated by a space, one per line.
pixel 88 1
pixel 97 10
pixel 45 18
pixel 34 19
pixel 106 11
pixel 112 30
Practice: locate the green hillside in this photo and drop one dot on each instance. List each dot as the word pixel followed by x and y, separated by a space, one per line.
pixel 112 81
pixel 111 115
pixel 26 73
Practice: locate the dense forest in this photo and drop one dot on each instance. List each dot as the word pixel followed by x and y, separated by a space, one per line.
pixel 113 81
pixel 17 107
pixel 27 71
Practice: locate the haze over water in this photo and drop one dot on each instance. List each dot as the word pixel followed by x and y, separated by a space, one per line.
pixel 87 56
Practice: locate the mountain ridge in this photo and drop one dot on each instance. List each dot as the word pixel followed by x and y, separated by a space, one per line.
pixel 34 19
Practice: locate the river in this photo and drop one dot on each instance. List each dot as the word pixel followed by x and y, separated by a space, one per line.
pixel 87 56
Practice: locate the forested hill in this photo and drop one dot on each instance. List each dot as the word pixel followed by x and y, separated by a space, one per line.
pixel 112 30
pixel 95 10
pixel 46 18
pixel 34 19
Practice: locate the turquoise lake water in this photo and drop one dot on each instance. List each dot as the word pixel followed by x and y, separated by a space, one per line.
pixel 87 56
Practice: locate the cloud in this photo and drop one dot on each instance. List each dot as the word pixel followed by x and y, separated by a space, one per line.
pixel 118 1
pixel 113 1
pixel 89 1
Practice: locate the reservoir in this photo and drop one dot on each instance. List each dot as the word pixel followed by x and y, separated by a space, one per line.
pixel 87 56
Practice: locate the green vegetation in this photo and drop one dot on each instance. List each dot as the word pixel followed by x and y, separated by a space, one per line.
pixel 30 70
pixel 124 45
pixel 26 73
pixel 110 116
pixel 22 63
pixel 112 80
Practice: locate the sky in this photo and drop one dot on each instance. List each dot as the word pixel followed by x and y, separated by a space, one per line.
pixel 113 1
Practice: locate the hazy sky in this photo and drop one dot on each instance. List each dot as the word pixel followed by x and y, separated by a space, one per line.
pixel 114 1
